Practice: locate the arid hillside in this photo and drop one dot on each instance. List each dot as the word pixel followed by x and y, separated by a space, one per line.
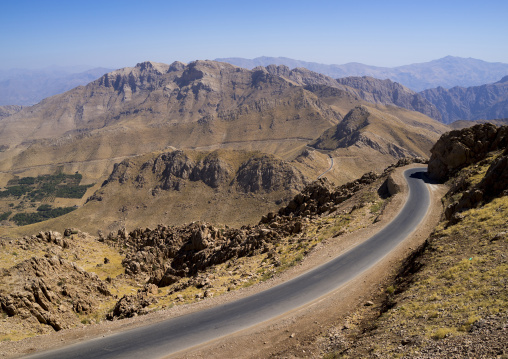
pixel 131 116
pixel 203 105
pixel 448 299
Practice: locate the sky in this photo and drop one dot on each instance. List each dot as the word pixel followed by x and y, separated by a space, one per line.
pixel 115 34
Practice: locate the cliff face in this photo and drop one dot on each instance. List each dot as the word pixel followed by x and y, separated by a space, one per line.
pixel 172 170
pixel 458 149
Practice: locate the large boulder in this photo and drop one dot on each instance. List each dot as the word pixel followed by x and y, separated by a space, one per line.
pixel 458 149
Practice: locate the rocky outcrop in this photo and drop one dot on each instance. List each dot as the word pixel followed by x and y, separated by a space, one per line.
pixel 6 111
pixel 133 305
pixel 486 102
pixel 458 149
pixel 52 290
pixel 387 92
pixel 268 174
pixel 173 169
pixel 167 254
pixel 494 184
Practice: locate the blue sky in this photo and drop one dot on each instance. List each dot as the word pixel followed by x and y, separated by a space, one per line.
pixel 35 34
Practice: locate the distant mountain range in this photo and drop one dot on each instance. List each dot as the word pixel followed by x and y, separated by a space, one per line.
pixel 485 102
pixel 28 87
pixel 447 72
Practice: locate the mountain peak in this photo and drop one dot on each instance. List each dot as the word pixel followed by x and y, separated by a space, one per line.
pixel 153 66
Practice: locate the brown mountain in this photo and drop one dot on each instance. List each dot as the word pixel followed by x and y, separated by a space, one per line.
pixel 157 108
pixel 152 106
pixel 387 92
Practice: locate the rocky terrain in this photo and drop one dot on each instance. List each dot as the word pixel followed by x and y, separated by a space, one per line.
pixel 448 300
pixel 136 114
pixel 52 281
pixel 6 111
pixel 387 92
pixel 485 102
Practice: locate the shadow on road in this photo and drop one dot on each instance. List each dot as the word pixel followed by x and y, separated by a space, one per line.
pixel 424 175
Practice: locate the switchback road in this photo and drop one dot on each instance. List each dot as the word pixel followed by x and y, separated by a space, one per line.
pixel 173 335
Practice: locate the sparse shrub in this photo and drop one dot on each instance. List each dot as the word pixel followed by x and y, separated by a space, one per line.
pixel 441 333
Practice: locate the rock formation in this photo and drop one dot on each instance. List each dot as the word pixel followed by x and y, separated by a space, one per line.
pixel 460 148
pixel 52 290
pixel 387 92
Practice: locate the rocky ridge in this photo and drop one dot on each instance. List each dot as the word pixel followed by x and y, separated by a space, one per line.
pixel 446 72
pixel 365 127
pixel 387 92
pixel 172 169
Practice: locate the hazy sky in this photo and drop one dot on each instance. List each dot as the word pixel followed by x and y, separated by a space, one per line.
pixel 40 33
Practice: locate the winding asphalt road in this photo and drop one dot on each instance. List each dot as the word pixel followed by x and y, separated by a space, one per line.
pixel 183 332
pixel 329 168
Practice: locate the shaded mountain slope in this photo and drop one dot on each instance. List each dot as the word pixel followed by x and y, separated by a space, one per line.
pixel 486 102
pixel 387 92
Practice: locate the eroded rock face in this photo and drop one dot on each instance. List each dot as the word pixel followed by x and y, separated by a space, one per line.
pixel 494 184
pixel 458 149
pixel 268 174
pixel 52 290
pixel 173 169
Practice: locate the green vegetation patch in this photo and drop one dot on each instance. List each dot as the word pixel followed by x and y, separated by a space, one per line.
pixel 22 219
pixel 36 188
pixel 5 215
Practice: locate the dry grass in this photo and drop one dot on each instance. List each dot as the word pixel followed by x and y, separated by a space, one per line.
pixel 463 280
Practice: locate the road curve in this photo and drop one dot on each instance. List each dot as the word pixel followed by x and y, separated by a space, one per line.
pixel 173 335
pixel 329 168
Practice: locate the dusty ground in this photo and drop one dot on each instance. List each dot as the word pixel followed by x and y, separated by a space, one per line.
pixel 297 334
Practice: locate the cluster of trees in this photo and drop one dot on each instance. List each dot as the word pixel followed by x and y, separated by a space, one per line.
pixel 5 215
pixel 43 213
pixel 36 188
